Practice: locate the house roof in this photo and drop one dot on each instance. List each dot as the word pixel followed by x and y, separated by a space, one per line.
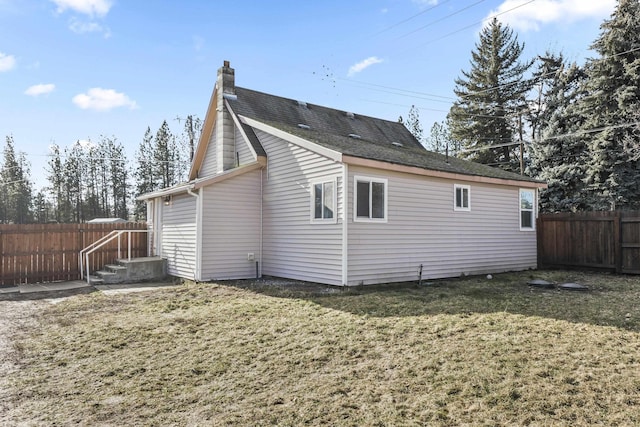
pixel 353 134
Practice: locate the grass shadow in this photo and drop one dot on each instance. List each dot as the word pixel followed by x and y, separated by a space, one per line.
pixel 612 300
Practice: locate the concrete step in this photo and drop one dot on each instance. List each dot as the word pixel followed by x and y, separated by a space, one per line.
pixel 131 271
pixel 142 269
pixel 95 280
pixel 115 268
pixel 110 277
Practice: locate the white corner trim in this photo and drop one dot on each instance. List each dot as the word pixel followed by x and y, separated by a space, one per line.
pixel 345 224
pixel 239 127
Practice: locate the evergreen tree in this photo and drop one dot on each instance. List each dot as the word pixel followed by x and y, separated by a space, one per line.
pixel 116 162
pixel 413 124
pixel 144 174
pixel 73 170
pixel 93 190
pixel 16 189
pixel 42 208
pixel 163 156
pixel 192 130
pixel 56 184
pixel 559 151
pixel 491 97
pixel 439 140
pixel 548 73
pixel 610 108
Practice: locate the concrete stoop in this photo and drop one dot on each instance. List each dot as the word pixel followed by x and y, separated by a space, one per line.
pixel 130 271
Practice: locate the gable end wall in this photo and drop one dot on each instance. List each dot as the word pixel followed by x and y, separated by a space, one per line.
pixel 293 247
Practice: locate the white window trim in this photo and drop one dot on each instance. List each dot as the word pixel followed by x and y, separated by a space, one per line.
pixel 312 203
pixel 384 181
pixel 533 210
pixel 455 190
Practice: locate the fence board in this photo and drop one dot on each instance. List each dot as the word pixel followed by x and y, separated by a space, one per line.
pixel 603 240
pixel 32 253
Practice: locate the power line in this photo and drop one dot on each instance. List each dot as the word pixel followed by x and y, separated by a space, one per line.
pixel 410 18
pixel 441 19
pixel 472 25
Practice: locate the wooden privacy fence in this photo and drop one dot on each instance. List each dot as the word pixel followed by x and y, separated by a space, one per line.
pixel 602 240
pixel 33 253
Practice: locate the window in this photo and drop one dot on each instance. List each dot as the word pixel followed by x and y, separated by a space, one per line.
pixel 527 204
pixel 370 198
pixel 461 197
pixel 323 201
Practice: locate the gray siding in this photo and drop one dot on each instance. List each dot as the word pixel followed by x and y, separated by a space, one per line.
pixel 293 247
pixel 179 236
pixel 243 152
pixel 423 228
pixel 231 227
pixel 209 164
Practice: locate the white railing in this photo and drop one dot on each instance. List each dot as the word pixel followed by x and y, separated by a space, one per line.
pixel 83 259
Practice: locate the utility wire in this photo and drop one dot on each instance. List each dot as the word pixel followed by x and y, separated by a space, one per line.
pixel 410 18
pixel 441 19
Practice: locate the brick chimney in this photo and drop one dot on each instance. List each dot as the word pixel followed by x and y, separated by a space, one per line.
pixel 225 133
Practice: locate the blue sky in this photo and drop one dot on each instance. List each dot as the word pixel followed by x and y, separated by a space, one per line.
pixel 78 69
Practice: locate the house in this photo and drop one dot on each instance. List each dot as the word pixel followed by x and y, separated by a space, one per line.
pixel 284 188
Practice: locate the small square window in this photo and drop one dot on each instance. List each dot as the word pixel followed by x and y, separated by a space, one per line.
pixel 461 197
pixel 323 197
pixel 370 199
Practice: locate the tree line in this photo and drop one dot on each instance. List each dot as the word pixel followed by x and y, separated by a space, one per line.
pixel 574 126
pixel 93 179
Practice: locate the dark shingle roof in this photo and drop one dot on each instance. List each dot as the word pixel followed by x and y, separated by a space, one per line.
pixel 377 139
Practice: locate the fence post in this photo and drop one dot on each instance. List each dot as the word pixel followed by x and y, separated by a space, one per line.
pixel 539 241
pixel 617 241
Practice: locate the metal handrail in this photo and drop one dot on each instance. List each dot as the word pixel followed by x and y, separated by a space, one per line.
pixel 83 258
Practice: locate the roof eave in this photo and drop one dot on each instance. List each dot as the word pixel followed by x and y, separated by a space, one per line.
pixel 378 164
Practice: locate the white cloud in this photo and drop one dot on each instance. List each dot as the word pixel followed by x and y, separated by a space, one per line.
pixel 7 62
pixel 103 100
pixel 80 27
pixel 531 16
pixel 86 7
pixel 198 43
pixel 426 2
pixel 40 89
pixel 356 68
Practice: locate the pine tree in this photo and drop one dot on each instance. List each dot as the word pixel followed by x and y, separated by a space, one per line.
pixel 56 183
pixel 93 191
pixel 413 124
pixel 73 168
pixel 491 97
pixel 558 150
pixel 144 174
pixel 16 187
pixel 439 140
pixel 42 208
pixel 613 100
pixel 163 155
pixel 549 72
pixel 116 162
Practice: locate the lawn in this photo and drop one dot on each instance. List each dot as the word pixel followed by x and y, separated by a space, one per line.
pixel 468 351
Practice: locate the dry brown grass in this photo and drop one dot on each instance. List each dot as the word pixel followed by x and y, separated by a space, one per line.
pixel 455 352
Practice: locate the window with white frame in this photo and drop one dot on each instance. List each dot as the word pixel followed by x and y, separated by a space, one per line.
pixel 370 195
pixel 461 197
pixel 323 201
pixel 527 209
